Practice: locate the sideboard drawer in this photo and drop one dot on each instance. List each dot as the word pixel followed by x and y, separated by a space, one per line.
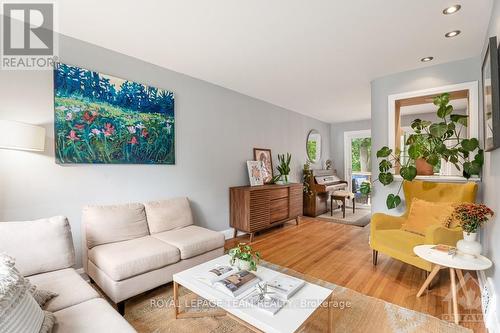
pixel 278 193
pixel 279 209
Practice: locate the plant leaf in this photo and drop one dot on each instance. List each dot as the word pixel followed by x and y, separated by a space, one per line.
pixel 408 172
pixel 470 144
pixel 384 152
pixel 460 119
pixel 438 129
pixel 433 159
pixel 414 151
pixel 392 201
pixel 384 166
pixel 385 178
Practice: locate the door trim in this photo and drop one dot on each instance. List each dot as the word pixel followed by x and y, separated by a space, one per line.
pixel 348 136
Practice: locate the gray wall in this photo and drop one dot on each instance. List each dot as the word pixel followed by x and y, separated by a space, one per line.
pixel 216 131
pixel 337 141
pixel 491 183
pixel 429 77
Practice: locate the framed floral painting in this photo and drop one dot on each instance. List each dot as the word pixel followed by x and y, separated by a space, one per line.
pixel 264 155
pixel 99 118
pixel 255 173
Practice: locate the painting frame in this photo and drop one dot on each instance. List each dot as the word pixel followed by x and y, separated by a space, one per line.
pixel 105 119
pixel 255 173
pixel 491 96
pixel 265 156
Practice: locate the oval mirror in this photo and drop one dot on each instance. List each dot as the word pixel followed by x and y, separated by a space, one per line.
pixel 313 146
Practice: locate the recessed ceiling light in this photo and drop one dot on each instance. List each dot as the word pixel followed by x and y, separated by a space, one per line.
pixel 452 33
pixel 451 10
pixel 426 59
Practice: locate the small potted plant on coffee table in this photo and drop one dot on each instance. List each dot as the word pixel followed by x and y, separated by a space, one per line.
pixel 244 257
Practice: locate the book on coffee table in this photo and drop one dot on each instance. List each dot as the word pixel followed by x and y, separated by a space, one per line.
pixel 217 273
pixel 285 286
pixel 269 303
pixel 237 283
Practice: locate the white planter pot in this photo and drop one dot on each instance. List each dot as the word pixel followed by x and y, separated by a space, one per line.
pixel 243 265
pixel 469 246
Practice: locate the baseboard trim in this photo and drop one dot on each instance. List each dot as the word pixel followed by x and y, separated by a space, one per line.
pixel 229 233
pixel 489 303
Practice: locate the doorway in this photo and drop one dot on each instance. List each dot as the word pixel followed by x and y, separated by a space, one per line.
pixel 357 163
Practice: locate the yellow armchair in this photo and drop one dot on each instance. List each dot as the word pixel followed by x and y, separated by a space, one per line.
pixel 386 235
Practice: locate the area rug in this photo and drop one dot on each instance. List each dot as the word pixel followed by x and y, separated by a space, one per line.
pixel 352 312
pixel 360 218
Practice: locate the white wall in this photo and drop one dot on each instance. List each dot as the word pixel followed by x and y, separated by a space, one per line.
pixel 216 131
pixel 491 183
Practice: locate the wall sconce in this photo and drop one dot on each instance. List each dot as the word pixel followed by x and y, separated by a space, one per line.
pixel 21 136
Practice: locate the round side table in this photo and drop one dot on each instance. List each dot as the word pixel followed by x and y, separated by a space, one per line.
pixel 456 264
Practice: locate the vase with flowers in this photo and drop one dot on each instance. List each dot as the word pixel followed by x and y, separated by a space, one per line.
pixel 470 217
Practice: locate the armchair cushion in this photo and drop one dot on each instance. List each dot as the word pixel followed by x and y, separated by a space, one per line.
pixel 381 221
pixel 438 234
pixel 114 223
pixel 125 259
pixel 192 240
pixel 164 215
pixel 425 213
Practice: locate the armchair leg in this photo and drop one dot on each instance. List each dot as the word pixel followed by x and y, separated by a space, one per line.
pixel 374 257
pixel 121 307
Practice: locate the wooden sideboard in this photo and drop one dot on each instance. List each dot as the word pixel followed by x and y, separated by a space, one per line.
pixel 255 208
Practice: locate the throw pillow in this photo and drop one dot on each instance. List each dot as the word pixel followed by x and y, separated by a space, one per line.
pixel 19 312
pixel 41 296
pixel 423 214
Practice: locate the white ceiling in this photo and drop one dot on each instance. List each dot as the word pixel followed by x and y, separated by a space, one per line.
pixel 314 57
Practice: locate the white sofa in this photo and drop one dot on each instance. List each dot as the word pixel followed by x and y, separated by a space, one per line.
pixel 131 248
pixel 44 253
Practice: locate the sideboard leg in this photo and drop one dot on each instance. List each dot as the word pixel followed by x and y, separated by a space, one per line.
pixel 251 237
pixel 235 233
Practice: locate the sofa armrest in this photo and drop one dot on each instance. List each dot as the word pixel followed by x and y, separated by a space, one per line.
pixel 437 234
pixel 381 221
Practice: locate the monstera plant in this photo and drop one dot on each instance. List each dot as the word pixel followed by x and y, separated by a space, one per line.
pixel 428 145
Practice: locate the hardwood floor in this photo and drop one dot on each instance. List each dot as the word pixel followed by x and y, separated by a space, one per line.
pixel 340 254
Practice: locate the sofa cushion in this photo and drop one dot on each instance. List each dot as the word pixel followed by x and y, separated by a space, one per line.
pixel 93 316
pixel 192 240
pixel 24 240
pixel 169 214
pixel 123 260
pixel 114 223
pixel 69 286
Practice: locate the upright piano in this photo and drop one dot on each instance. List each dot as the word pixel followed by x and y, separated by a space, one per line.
pixel 321 184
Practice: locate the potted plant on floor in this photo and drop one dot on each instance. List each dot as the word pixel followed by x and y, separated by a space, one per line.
pixel 428 145
pixel 470 217
pixel 244 257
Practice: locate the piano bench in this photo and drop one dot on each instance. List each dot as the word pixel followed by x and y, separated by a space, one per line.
pixel 342 197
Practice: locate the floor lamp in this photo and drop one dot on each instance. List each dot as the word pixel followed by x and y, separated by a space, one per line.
pixel 21 136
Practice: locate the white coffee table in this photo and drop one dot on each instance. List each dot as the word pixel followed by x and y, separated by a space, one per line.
pixel 289 319
pixel 456 264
